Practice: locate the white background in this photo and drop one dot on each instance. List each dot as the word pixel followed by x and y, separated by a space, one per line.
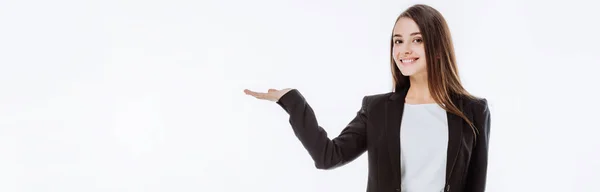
pixel 147 95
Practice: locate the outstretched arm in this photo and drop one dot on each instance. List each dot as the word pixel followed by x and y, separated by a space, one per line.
pixel 326 153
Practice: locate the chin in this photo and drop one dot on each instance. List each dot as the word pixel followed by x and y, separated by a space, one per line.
pixel 408 72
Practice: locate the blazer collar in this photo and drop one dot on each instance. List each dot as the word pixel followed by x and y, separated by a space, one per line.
pixel 393 119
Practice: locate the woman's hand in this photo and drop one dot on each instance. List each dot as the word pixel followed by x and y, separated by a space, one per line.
pixel 271 95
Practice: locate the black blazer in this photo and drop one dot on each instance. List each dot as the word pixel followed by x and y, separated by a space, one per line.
pixel 376 129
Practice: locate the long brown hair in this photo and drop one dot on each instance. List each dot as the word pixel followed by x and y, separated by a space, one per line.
pixel 442 72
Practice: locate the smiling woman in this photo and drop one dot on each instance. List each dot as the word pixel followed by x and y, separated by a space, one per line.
pixel 407 51
pixel 430 134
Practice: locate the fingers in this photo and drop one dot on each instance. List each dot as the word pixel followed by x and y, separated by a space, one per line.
pixel 248 92
pixel 259 95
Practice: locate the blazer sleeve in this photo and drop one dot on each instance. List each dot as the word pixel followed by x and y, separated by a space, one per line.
pixel 477 171
pixel 327 153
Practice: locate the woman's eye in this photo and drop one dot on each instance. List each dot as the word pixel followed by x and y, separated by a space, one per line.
pixel 398 41
pixel 418 40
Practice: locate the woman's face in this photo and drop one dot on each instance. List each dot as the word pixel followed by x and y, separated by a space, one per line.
pixel 408 49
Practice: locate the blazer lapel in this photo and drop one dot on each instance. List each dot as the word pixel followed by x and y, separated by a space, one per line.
pixel 393 119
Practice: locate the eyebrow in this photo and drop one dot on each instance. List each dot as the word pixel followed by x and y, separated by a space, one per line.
pixel 412 34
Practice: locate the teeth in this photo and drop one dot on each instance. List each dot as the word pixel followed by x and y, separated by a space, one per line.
pixel 407 60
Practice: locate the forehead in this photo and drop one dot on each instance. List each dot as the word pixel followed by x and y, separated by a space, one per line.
pixel 405 26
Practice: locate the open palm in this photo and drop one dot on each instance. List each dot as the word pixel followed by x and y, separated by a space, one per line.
pixel 271 94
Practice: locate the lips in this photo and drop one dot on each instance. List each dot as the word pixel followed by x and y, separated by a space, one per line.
pixel 408 61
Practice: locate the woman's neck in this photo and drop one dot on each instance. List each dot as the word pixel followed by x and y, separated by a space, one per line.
pixel 418 92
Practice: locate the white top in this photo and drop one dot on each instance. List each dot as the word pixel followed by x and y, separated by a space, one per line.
pixel 423 147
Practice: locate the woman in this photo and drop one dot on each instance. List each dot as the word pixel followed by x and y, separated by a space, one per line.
pixel 428 135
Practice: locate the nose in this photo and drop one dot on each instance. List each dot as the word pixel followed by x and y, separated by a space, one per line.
pixel 406 49
pixel 404 53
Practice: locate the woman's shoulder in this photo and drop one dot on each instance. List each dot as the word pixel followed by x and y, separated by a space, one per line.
pixel 378 97
pixel 476 102
pixel 376 101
